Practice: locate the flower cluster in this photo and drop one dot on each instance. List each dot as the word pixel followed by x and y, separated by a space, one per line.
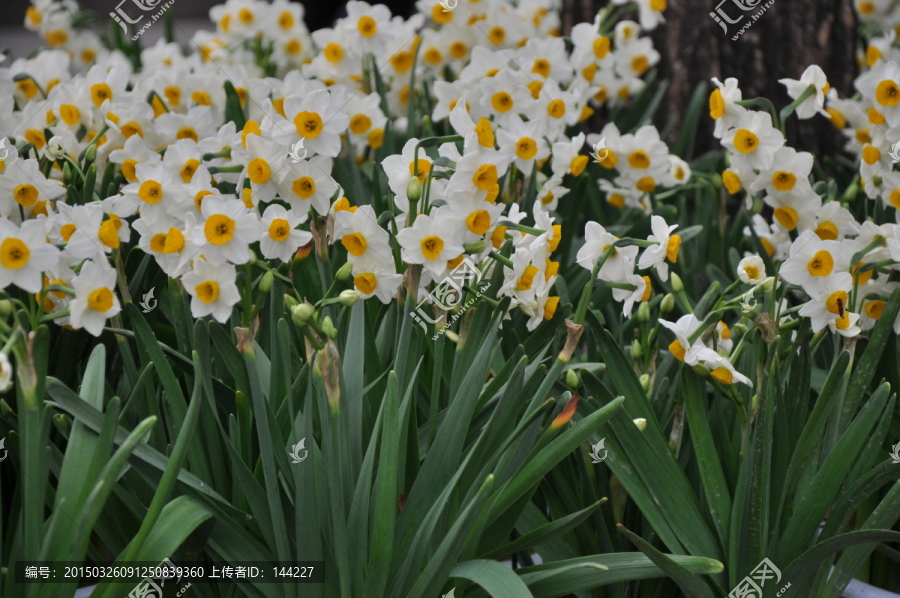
pixel 841 264
pixel 207 159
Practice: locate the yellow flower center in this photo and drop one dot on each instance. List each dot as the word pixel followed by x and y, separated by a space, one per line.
pixel 365 283
pixel 376 138
pixel 578 164
pixel 527 279
pixel 837 302
pixel 439 16
pixel 286 20
pixel 14 253
pixel 424 169
pixel 502 102
pixel 786 216
pixel 304 187
pixel 258 171
pixel 187 133
pixel 36 138
pixel 646 184
pixel 639 159
pixel 132 128
pixel 188 170
pixel 874 309
pixel 556 108
pixel 101 300
pixel 150 192
pixel 360 123
pixel 432 246
pixel 784 181
pixel 722 374
pixel 26 195
pixel 479 221
pixel 821 263
pixel 640 64
pixel 219 229
pixel 280 229
pixel 673 247
pixel 309 124
pixel 355 244
pixel 367 26
pixel 334 52
pixel 402 61
pixel 109 232
pixel 745 141
pixel 752 272
pixel 100 92
pixel 541 67
pixel 887 93
pixel 601 47
pixel 497 34
pixel 485 177
pixel 69 114
pixel 677 350
pixel 827 231
pixel 526 148
pixel 550 307
pixel 208 291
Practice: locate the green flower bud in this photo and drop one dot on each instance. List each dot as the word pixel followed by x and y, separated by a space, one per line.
pixel 572 380
pixel 345 271
pixel 716 180
pixel 641 423
pixel 329 361
pixel 348 297
pixel 643 314
pixel 667 304
pixel 290 302
pixel 414 189
pixel 636 350
pixel 6 308
pixel 265 284
pixel 476 247
pixel 701 369
pixel 677 285
pixel 738 330
pixel 63 424
pixel 91 154
pixel 767 285
pixel 645 382
pixel 302 313
pixel 328 328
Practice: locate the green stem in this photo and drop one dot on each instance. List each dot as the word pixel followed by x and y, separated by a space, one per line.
pixel 790 108
pixel 226 169
pixel 503 260
pixel 226 153
pixel 589 285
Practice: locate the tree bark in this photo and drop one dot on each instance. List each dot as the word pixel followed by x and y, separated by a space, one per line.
pixel 785 39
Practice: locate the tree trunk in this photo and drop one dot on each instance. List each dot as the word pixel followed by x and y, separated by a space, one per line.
pixel 786 38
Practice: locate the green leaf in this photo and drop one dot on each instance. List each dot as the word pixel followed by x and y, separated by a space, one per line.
pixel 496 578
pixel 384 511
pixel 688 582
pixel 560 578
pixel 545 533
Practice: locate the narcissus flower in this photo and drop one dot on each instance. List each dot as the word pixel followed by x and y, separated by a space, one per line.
pixel 281 235
pixel 23 184
pixel 227 231
pixel 666 247
pixel 812 76
pixel 381 282
pixel 25 254
pixel 753 141
pixel 724 107
pixel 212 289
pixel 95 298
pixel 430 242
pixel 313 118
pixel 811 262
pixel 882 84
pixel 752 270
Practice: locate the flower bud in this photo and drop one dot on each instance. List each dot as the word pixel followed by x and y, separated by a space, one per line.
pixel 348 297
pixel 636 350
pixel 641 423
pixel 738 330
pixel 677 285
pixel 302 313
pixel 476 247
pixel 329 361
pixel 290 302
pixel 252 261
pixel 265 284
pixel 767 285
pixel 645 382
pixel 5 409
pixel 667 304
pixel 55 148
pixel 643 314
pixel 328 328
pixel 572 380
pixel 345 271
pixel 6 308
pixel 414 189
pixel 91 154
pixel 701 369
